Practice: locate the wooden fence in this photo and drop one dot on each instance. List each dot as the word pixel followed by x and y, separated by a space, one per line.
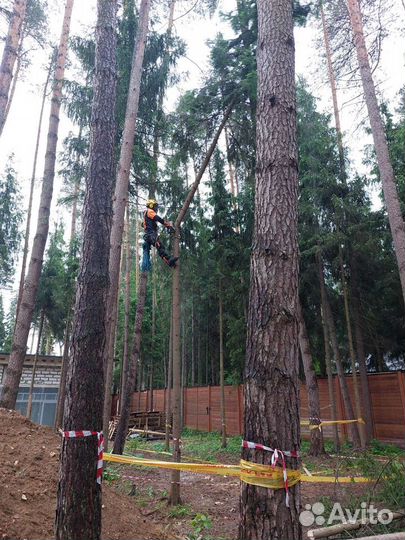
pixel 201 406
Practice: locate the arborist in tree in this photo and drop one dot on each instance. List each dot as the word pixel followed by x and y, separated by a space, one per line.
pixel 150 221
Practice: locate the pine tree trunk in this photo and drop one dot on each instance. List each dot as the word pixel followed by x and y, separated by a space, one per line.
pixel 111 341
pixel 332 82
pixel 271 371
pixel 221 368
pixel 331 390
pixel 121 197
pixel 335 348
pixel 34 367
pixel 361 355
pixel 128 268
pixel 33 175
pixel 78 513
pixel 192 345
pixel 63 374
pixel 169 390
pixel 395 218
pixel 10 55
pixel 16 72
pixel 175 482
pixel 68 329
pixel 23 322
pixel 122 429
pixel 351 350
pixel 317 447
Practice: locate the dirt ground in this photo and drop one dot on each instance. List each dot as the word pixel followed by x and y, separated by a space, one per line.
pixel 28 483
pixel 134 498
pixel 213 496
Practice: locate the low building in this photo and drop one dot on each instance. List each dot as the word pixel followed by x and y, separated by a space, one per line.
pixel 46 386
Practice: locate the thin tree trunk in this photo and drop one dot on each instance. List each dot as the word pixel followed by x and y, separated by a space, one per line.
pixel 169 389
pixel 361 355
pixel 10 55
pixel 68 328
pixel 175 482
pixel 192 344
pixel 395 218
pixel 122 429
pixel 112 345
pixel 23 322
pixel 183 375
pixel 221 368
pixel 63 374
pixel 128 268
pixel 271 371
pixel 34 367
pixel 33 175
pixel 332 82
pixel 136 246
pixel 78 513
pixel 335 348
pixel 121 197
pixel 317 447
pixel 351 350
pixel 16 72
pixel 331 390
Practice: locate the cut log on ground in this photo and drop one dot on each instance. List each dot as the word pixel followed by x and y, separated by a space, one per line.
pixel 326 532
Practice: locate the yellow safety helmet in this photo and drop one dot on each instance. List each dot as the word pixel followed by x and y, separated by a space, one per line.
pixel 151 203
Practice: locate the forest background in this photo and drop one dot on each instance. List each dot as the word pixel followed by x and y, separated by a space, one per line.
pixel 217 234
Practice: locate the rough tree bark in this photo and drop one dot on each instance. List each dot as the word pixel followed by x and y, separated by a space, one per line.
pixel 24 319
pixel 175 482
pixel 316 447
pixel 390 191
pixel 122 428
pixel 10 55
pixel 121 198
pixel 271 371
pixel 78 513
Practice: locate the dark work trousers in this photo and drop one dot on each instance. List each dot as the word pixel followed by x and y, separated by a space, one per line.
pixel 152 239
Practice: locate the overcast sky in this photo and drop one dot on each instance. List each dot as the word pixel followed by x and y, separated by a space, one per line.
pixel 20 130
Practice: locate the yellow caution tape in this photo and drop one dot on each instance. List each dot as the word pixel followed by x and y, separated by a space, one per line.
pixel 330 423
pixel 250 473
pixel 141 450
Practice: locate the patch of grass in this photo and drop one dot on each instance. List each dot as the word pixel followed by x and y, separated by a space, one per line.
pixel 207 446
pixel 383 449
pixel 180 510
pixel 111 474
pixel 389 477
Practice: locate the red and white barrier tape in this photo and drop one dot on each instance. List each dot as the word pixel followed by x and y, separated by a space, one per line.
pixel 100 447
pixel 278 456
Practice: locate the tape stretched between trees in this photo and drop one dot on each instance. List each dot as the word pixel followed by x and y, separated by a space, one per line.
pixel 250 473
pixel 322 423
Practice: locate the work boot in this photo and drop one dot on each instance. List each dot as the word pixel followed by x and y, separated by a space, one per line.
pixel 172 261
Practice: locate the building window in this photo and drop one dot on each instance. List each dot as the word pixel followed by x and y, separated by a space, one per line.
pixel 44 401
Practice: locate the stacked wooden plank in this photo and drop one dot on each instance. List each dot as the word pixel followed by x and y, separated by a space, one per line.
pixel 151 423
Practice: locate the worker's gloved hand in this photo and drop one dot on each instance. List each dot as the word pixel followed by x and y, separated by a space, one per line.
pixel 169 227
